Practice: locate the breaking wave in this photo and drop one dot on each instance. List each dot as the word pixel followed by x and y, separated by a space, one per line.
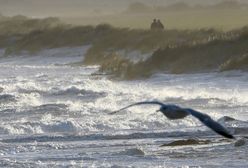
pixel 39 127
pixel 71 91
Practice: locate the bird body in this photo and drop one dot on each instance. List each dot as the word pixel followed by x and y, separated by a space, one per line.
pixel 174 112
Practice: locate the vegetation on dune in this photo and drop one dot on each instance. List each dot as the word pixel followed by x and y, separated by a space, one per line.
pixel 236 63
pixel 218 54
pixel 174 51
pixel 114 39
pixel 22 25
pixel 59 36
pixel 103 38
pixel 14 28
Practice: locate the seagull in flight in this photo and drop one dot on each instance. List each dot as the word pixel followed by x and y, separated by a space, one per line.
pixel 174 112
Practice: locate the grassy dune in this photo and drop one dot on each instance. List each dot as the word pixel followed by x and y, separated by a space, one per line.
pixel 14 28
pixel 172 50
pixel 103 37
pixel 113 40
pixel 181 52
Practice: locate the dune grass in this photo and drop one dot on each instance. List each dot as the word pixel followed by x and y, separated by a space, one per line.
pixel 173 50
pixel 216 55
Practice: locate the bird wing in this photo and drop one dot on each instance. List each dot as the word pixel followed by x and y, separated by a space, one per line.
pixel 138 103
pixel 210 123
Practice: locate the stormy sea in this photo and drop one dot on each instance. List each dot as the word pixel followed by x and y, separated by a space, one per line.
pixel 55 113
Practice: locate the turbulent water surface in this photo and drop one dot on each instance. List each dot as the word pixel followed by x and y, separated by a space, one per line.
pixel 54 114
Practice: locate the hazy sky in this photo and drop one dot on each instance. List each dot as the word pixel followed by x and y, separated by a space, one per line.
pixel 44 8
pixel 60 7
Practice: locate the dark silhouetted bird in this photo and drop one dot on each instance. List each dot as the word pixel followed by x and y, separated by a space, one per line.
pixel 174 112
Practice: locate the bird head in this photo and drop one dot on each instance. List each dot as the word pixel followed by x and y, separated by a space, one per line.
pixel 162 109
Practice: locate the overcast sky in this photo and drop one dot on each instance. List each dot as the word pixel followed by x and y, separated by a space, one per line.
pixel 44 8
